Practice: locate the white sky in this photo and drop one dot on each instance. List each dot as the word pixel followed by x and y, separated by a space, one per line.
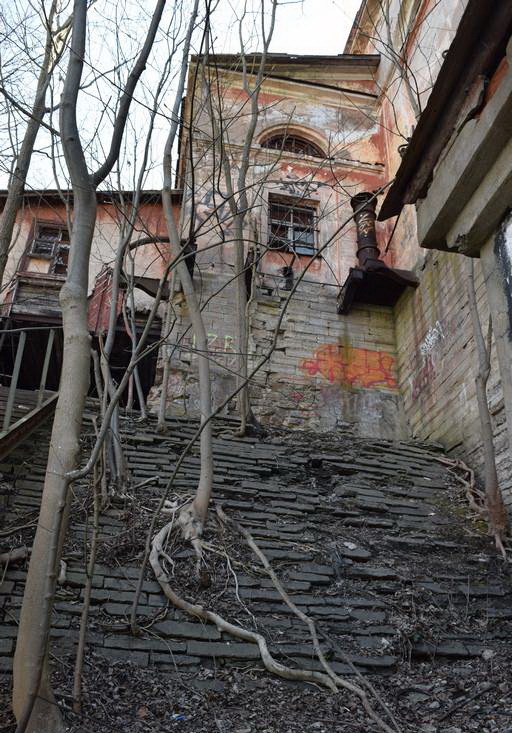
pixel 302 26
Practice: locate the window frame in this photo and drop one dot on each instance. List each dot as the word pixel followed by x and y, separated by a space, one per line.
pixel 57 247
pixel 280 139
pixel 291 242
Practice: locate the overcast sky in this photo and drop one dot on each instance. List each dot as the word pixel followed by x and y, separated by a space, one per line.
pixel 302 27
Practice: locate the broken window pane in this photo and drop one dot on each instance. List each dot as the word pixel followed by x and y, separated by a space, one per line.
pixel 51 241
pixel 293 144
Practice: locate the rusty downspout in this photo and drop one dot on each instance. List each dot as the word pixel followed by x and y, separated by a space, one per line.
pixel 368 253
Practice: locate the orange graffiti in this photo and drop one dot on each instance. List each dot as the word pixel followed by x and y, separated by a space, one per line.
pixel 353 367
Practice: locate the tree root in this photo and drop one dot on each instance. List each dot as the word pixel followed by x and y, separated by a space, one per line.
pixel 496 517
pixel 327 679
pixel 338 681
pixel 192 529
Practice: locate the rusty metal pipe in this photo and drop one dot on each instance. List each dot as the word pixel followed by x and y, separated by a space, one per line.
pixel 368 253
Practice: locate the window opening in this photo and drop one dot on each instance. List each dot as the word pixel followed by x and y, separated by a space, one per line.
pixel 292 226
pixel 51 242
pixel 293 144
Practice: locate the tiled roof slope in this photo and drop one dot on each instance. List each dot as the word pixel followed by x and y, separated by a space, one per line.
pixel 368 537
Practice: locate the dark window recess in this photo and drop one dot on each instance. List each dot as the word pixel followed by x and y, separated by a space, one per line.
pixel 292 226
pixel 293 144
pixel 52 242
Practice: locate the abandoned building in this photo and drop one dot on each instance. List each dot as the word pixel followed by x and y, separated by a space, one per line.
pixel 373 178
pixel 36 270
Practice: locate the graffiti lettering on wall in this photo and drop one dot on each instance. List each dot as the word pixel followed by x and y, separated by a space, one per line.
pixel 431 350
pixel 428 348
pixel 213 211
pixel 431 339
pixel 332 406
pixel 311 401
pixel 351 366
pixel 294 186
pixel 424 377
pixel 220 347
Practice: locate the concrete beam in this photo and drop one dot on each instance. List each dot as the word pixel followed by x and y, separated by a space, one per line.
pixel 469 160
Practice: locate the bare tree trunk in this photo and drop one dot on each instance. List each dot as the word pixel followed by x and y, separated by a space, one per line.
pixel 166 356
pixel 497 515
pixel 33 702
pixel 30 679
pixel 18 176
pixel 131 330
pixel 239 205
pixel 193 518
pixel 82 637
pixel 244 406
pixel 199 508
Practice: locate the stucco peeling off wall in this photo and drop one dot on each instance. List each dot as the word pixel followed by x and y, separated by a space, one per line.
pixel 327 372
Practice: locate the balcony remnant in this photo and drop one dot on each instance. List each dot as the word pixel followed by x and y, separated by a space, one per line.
pixel 372 281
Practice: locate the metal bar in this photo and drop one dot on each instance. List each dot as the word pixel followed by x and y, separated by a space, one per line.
pixel 14 381
pixel 46 364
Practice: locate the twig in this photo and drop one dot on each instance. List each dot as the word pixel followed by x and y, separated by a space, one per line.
pixel 14 530
pixel 20 553
pixel 485 688
pixel 146 482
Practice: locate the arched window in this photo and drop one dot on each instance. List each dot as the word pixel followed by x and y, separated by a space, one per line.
pixel 293 144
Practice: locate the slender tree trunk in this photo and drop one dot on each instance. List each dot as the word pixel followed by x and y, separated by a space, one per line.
pixel 199 509
pixel 32 697
pixel 239 204
pixel 194 517
pixel 242 325
pixel 495 507
pixel 18 177
pixel 166 357
pixel 82 636
pixel 32 642
pixel 33 703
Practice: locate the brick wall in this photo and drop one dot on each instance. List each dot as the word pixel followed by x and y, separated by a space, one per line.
pixel 327 371
pixel 437 364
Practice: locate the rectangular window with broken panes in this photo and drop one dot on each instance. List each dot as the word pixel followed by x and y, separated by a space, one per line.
pixel 51 242
pixel 292 225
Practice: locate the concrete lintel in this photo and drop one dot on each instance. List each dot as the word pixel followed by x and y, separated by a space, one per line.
pixel 485 210
pixel 463 168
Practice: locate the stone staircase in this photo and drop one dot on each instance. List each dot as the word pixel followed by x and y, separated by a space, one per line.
pixel 369 537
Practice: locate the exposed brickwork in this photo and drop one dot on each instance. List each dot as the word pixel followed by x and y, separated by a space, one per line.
pixel 326 371
pixel 437 364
